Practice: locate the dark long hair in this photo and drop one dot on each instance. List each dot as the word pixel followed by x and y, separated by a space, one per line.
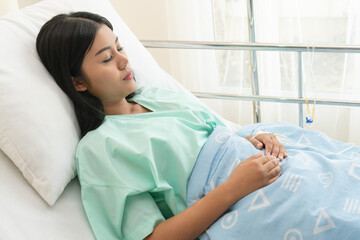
pixel 62 44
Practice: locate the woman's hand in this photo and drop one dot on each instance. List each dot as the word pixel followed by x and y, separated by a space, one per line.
pixel 248 176
pixel 254 173
pixel 272 145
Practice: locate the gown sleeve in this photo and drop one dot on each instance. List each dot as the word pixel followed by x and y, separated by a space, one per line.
pixel 115 192
pixel 133 215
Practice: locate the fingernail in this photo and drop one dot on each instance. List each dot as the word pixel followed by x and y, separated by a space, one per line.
pixel 267 153
pixel 281 157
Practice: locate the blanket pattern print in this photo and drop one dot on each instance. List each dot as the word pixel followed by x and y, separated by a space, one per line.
pixel 316 197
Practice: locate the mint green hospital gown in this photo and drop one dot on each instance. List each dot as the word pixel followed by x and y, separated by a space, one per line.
pixel 133 169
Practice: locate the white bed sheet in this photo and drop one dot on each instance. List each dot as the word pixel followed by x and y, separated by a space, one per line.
pixel 24 215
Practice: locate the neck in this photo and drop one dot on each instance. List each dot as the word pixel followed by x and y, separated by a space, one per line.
pixel 118 108
pixel 123 107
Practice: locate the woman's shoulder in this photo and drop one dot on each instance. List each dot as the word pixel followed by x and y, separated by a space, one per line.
pixel 92 137
pixel 97 136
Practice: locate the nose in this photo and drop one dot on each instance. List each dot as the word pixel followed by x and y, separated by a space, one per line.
pixel 122 61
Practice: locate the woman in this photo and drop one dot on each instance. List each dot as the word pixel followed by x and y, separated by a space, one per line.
pixel 138 148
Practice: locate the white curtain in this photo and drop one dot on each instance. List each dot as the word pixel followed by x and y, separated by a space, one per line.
pixel 325 75
pixel 195 69
pixel 192 20
pixel 351 76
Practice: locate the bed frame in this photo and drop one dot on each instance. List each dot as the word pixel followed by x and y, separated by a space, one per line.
pixel 253 47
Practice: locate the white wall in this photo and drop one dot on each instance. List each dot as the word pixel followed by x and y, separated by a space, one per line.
pixel 7 6
pixel 148 21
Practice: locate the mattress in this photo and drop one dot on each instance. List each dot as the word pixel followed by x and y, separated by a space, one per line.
pixel 24 215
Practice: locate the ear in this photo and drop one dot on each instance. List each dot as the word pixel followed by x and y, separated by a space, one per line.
pixel 79 84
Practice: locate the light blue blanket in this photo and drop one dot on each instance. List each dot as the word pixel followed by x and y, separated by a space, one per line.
pixel 316 197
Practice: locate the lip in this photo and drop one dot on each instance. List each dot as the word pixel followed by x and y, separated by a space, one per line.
pixel 129 76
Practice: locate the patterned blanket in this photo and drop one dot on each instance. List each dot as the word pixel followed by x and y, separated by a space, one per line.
pixel 316 197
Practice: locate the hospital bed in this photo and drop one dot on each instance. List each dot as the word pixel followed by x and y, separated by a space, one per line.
pixel 40 194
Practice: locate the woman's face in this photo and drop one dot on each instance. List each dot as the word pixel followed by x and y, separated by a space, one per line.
pixel 106 69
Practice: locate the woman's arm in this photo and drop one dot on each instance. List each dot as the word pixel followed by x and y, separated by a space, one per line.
pixel 253 173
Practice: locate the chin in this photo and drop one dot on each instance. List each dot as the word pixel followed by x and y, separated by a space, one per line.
pixel 132 91
pixel 134 81
pixel 133 85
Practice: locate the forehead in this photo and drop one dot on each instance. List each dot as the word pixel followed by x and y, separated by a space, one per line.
pixel 103 38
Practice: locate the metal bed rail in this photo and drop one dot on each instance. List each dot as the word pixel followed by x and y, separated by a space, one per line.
pixel 251 46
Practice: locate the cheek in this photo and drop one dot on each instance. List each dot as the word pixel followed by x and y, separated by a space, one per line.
pixel 94 75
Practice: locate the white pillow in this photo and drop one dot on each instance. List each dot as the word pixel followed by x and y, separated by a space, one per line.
pixel 38 128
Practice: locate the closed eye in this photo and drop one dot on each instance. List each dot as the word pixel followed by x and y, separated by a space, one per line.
pixel 111 57
pixel 108 60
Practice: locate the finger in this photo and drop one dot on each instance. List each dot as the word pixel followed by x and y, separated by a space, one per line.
pixel 276 146
pixel 275 171
pixel 272 163
pixel 264 159
pixel 286 153
pixel 275 178
pixel 282 152
pixel 256 156
pixel 268 146
pixel 256 143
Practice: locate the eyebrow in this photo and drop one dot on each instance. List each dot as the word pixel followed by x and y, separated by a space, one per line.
pixel 105 48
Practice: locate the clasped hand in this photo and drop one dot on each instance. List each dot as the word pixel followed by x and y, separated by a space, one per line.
pixel 272 145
